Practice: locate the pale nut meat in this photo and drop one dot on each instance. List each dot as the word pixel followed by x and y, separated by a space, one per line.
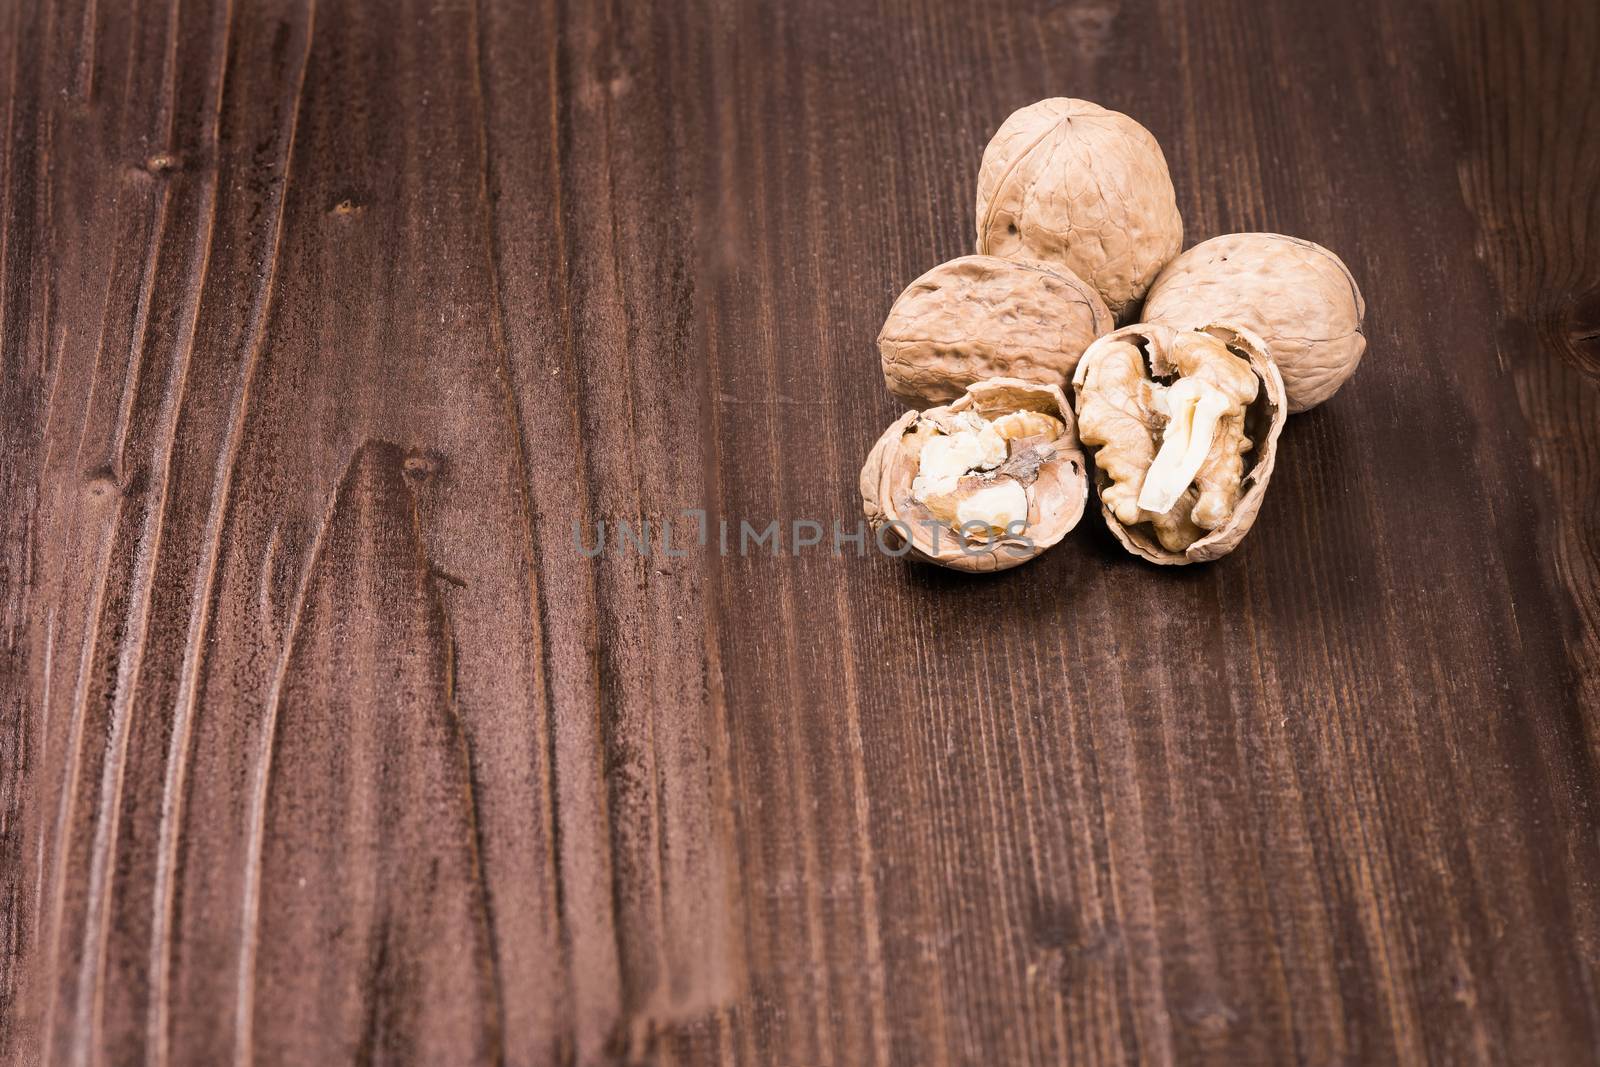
pixel 1295 295
pixel 983 317
pixel 982 484
pixel 1181 427
pixel 1069 182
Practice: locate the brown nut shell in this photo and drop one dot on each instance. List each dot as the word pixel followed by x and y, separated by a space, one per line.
pixel 983 317
pixel 1295 295
pixel 1264 419
pixel 1069 182
pixel 1056 496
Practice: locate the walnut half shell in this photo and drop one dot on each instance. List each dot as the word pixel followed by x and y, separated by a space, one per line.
pixel 1182 427
pixel 981 484
pixel 1295 295
pixel 980 317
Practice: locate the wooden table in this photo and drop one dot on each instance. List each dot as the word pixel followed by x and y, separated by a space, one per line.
pixel 321 741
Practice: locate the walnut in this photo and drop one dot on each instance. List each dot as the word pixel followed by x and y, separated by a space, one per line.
pixel 1296 296
pixel 984 317
pixel 982 484
pixel 1069 182
pixel 1182 428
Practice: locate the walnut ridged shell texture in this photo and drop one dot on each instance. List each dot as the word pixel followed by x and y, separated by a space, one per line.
pixel 1295 295
pixel 983 317
pixel 1070 182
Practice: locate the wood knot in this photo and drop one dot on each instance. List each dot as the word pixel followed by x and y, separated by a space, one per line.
pixel 1066 948
pixel 162 164
pixel 421 464
pixel 1209 1015
pixel 101 481
pixel 104 481
pixel 1582 329
pixel 1086 26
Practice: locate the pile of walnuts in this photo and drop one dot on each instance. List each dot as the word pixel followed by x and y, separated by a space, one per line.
pixel 1014 363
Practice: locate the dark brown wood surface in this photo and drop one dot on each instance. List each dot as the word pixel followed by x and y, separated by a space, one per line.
pixel 321 742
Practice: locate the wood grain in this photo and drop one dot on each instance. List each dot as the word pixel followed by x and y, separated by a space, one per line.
pixel 323 325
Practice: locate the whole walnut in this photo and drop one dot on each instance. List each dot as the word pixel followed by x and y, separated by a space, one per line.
pixel 1296 296
pixel 982 484
pixel 983 317
pixel 1182 429
pixel 1070 182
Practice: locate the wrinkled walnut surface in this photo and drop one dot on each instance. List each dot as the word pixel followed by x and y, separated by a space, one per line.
pixel 1295 295
pixel 1070 182
pixel 1124 387
pixel 1003 436
pixel 980 317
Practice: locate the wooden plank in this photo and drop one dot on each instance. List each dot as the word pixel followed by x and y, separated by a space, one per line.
pixel 331 332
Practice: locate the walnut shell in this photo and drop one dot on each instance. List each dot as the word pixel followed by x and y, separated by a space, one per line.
pixel 1263 422
pixel 1070 182
pixel 983 317
pixel 1296 296
pixel 1056 490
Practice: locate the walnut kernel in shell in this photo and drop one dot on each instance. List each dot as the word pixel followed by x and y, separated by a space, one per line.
pixel 981 484
pixel 1182 428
